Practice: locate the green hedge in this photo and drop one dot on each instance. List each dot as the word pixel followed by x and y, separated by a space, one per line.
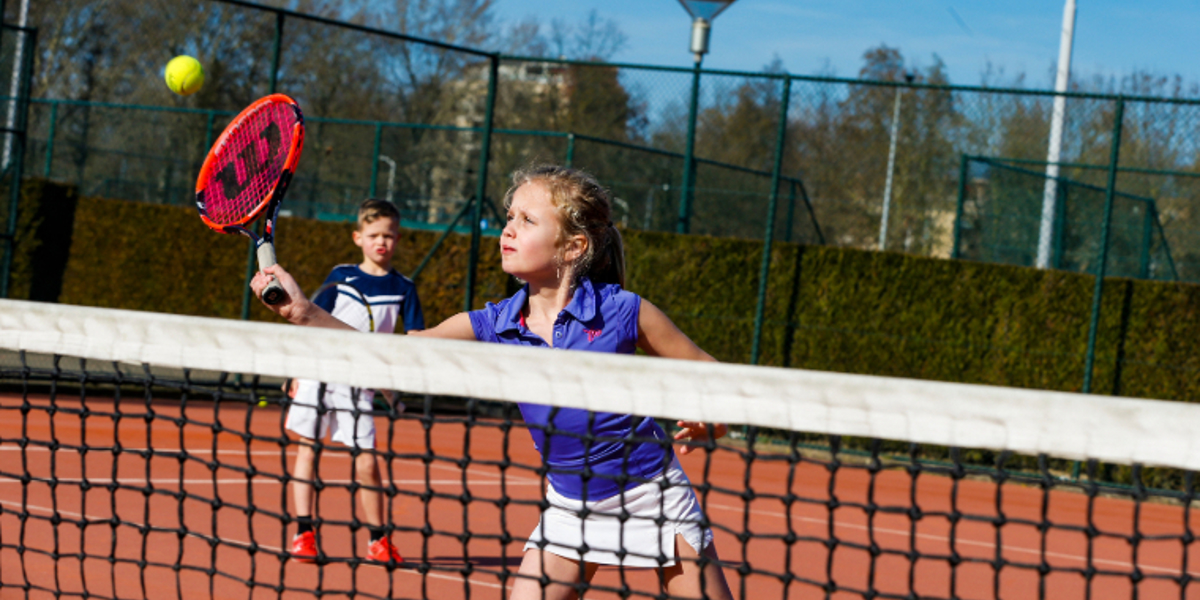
pixel 831 309
pixel 162 258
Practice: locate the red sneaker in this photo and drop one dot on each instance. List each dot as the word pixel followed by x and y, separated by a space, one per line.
pixel 304 547
pixel 382 550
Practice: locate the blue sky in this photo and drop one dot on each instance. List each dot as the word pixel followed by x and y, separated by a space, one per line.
pixel 1112 37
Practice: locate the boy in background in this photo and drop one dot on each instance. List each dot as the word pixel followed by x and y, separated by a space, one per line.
pixel 367 296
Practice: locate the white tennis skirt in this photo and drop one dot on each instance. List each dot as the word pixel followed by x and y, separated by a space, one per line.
pixel 646 543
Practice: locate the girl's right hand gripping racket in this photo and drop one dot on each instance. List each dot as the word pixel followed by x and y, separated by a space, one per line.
pixel 247 172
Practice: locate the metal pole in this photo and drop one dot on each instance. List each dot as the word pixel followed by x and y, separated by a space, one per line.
pixel 689 155
pixel 50 141
pixel 791 211
pixel 208 128
pixel 1060 223
pixel 481 188
pixel 891 166
pixel 375 159
pixel 812 215
pixel 275 53
pixel 1147 236
pixel 251 260
pixel 963 163
pixel 442 238
pixel 391 174
pixel 21 124
pixel 765 270
pixel 570 150
pixel 15 85
pixel 1046 232
pixel 1098 294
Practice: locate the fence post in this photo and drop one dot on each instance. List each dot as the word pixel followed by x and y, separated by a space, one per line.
pixel 689 158
pixel 375 159
pixel 772 205
pixel 791 211
pixel 208 128
pixel 251 260
pixel 570 150
pixel 1098 294
pixel 958 209
pixel 1060 223
pixel 1147 236
pixel 50 140
pixel 485 150
pixel 275 54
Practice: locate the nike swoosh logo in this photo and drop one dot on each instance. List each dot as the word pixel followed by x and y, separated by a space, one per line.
pixel 349 279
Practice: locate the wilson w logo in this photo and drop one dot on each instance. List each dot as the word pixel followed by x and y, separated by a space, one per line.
pixel 251 160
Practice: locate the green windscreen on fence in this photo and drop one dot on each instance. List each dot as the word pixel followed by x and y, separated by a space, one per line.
pixel 1001 214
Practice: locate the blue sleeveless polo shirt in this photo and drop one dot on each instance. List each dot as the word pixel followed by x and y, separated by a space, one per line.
pixel 599 318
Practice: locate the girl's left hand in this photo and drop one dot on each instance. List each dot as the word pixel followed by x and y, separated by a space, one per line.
pixel 695 431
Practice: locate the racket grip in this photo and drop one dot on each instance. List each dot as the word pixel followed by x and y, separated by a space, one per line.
pixel 272 294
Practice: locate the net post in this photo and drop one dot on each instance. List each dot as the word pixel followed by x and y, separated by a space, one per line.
pixel 481 186
pixel 768 235
pixel 50 141
pixel 963 163
pixel 689 156
pixel 1098 294
pixel 375 159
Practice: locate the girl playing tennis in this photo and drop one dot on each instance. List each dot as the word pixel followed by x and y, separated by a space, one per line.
pixel 561 242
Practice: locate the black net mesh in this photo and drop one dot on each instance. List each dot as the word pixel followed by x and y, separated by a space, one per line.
pixel 127 480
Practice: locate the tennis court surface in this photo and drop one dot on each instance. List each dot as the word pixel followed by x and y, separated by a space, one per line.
pixel 144 455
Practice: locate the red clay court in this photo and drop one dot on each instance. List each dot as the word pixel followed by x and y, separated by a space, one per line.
pixel 129 533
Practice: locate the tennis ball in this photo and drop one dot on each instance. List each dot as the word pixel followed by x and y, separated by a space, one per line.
pixel 184 75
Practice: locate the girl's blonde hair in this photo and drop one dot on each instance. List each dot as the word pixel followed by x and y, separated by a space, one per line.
pixel 584 208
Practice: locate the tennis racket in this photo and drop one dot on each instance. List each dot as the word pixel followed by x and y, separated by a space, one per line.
pixel 247 172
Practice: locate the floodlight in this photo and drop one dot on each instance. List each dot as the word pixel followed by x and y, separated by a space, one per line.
pixel 703 12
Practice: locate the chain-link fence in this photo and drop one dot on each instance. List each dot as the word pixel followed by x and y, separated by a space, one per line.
pixel 958 171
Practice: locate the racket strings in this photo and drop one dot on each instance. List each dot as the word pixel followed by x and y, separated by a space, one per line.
pixel 250 164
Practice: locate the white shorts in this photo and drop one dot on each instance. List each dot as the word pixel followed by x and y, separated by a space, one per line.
pixel 643 539
pixel 337 417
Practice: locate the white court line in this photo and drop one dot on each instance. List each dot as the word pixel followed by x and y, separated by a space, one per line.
pixel 246 545
pixel 335 453
pixel 957 540
pixel 260 481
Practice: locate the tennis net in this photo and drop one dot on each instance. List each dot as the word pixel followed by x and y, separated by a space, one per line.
pixel 147 455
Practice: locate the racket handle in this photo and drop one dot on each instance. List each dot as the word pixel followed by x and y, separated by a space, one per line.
pixel 272 294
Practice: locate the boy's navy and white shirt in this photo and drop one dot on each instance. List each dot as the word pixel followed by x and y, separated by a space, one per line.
pixel 392 299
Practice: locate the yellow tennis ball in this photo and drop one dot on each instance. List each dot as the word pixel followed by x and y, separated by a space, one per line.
pixel 184 75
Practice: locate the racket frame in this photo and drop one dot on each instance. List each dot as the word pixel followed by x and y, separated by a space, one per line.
pixel 269 205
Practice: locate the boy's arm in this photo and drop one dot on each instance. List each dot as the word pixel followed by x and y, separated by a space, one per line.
pixel 658 336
